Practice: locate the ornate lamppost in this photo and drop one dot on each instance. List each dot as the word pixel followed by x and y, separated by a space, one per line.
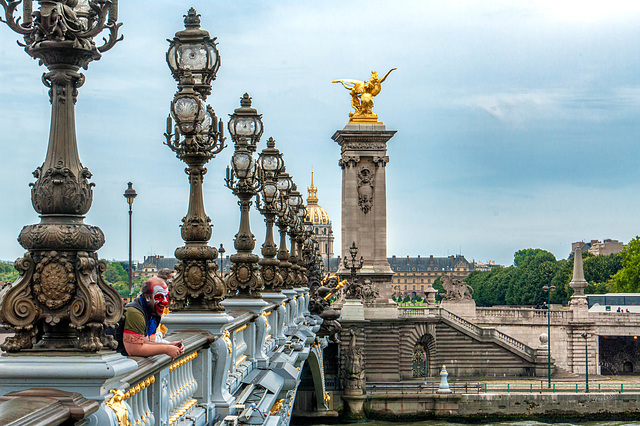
pixel 295 224
pixel 60 298
pixel 354 289
pixel 245 127
pixel 130 194
pixel 196 138
pixel 270 164
pixel 548 290
pixel 284 186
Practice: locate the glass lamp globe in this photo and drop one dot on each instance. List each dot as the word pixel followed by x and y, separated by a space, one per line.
pixel 269 192
pixel 243 164
pixel 188 111
pixel 284 183
pixel 245 124
pixel 193 50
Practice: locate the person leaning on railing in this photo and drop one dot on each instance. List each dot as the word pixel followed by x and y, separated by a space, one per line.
pixel 136 335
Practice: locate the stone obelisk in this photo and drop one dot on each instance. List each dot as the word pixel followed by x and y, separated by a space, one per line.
pixel 363 143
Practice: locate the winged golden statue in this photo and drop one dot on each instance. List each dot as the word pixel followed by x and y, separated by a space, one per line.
pixel 362 93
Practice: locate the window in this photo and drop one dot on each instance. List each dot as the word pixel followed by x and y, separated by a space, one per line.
pixel 316 231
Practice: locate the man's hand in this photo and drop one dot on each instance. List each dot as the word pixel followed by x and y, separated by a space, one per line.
pixel 173 351
pixel 179 345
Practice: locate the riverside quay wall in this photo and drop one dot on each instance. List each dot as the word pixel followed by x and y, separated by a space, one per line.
pixel 503 405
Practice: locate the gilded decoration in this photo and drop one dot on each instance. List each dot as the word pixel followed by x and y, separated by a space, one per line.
pixel 116 403
pixel 362 94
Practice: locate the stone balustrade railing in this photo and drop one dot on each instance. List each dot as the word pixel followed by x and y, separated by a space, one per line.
pixel 485 333
pixel 522 314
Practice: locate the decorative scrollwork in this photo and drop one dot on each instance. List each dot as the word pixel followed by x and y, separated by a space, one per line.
pixel 58 190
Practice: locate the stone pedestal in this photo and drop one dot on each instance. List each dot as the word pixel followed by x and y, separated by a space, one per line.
pixel 465 308
pixel 253 305
pixel 92 376
pixel 352 310
pixel 364 198
pixel 212 322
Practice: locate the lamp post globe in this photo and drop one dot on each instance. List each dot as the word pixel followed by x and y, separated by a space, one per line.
pixel 193 51
pixel 245 124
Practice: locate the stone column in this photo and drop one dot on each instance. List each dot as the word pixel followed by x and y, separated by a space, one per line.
pixel 364 199
pixel 578 300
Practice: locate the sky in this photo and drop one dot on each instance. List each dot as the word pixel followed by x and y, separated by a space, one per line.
pixel 517 122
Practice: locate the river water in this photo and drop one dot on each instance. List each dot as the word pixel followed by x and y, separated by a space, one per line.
pixel 508 423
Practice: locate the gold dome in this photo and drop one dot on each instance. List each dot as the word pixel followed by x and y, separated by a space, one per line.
pixel 316 214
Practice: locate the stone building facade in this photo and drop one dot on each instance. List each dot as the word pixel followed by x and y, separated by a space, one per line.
pixel 414 274
pixel 152 264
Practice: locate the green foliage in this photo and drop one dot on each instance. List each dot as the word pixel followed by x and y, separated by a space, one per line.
pixel 7 272
pixel 437 285
pixel 114 273
pixel 522 283
pixel 627 279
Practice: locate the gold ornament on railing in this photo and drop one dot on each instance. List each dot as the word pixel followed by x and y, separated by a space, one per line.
pixel 226 336
pixel 116 403
pixel 362 94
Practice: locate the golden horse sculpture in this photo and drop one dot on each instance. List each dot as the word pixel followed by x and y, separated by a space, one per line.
pixel 362 93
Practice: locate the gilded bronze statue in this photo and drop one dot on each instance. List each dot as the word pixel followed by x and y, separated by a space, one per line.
pixel 362 94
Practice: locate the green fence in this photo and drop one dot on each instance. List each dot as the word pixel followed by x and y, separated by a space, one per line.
pixel 580 387
pixel 492 387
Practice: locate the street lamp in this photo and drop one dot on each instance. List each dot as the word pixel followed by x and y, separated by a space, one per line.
pixel 548 290
pixel 245 127
pixel 221 251
pixel 295 228
pixel 130 194
pixel 196 138
pixel 270 164
pixel 284 184
pixel 61 300
pixel 586 361
pixel 354 289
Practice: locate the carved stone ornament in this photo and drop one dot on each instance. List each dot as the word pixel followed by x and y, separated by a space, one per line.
pixel 369 292
pixel 245 276
pixel 364 145
pixel 456 289
pixel 365 189
pixel 60 293
pixel 348 161
pixel 197 285
pixel 354 366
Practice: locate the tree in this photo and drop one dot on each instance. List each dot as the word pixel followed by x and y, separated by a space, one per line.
pixel 627 279
pixel 7 272
pixel 114 273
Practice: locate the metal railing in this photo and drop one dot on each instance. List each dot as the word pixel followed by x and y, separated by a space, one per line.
pixel 430 387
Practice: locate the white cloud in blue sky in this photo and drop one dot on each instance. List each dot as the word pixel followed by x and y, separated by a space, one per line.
pixel 518 121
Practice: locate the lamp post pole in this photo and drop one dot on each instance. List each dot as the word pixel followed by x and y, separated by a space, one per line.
pixel 130 194
pixel 586 361
pixel 221 250
pixel 548 290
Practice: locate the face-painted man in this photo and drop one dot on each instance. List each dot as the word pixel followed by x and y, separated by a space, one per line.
pixel 159 298
pixel 142 318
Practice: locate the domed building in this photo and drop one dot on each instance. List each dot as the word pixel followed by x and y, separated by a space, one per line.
pixel 321 222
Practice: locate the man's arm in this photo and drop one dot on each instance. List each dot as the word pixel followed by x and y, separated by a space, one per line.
pixel 138 345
